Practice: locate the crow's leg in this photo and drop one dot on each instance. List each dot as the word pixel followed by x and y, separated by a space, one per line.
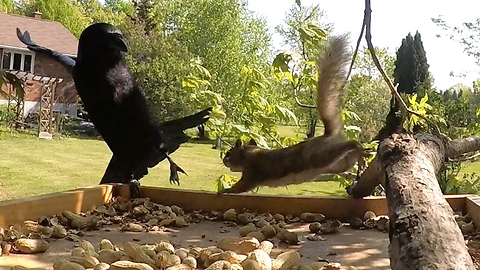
pixel 174 169
pixel 135 191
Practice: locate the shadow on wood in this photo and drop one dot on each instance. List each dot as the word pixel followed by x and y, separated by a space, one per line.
pixel 343 208
pixel 32 208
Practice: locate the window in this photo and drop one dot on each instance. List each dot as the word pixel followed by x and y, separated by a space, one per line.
pixel 17 61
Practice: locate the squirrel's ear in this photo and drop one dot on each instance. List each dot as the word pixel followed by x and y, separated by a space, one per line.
pixel 252 142
pixel 238 143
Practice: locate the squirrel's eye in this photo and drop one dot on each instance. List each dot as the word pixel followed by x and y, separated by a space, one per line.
pixel 227 154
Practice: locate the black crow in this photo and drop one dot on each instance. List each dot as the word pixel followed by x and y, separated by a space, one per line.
pixel 118 108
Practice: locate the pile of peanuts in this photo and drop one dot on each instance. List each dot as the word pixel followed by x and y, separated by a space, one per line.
pixel 251 249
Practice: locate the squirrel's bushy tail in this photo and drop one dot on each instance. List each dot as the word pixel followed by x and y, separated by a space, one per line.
pixel 332 69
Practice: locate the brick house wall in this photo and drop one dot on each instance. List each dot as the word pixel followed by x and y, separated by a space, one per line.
pixel 65 91
pixel 59 39
pixel 66 96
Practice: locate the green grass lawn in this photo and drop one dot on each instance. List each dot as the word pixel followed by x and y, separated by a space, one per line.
pixel 472 167
pixel 291 131
pixel 30 166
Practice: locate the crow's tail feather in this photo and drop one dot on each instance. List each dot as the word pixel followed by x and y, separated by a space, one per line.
pixel 114 173
pixel 187 122
pixel 172 132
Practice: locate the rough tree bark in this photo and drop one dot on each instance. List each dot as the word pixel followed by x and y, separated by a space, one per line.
pixel 423 231
pixel 371 177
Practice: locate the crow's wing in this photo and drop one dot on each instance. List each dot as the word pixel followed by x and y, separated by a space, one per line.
pixel 66 61
pixel 187 122
pixel 173 132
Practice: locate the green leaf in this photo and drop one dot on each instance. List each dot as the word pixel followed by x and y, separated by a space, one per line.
pixel 216 97
pixel 280 65
pixel 267 120
pixel 355 128
pixel 349 116
pixel 255 85
pixel 203 71
pixel 299 4
pixel 245 71
pixel 262 142
pixel 286 114
pixel 320 33
pixel 311 33
pixel 240 129
pixel 222 183
pixel 263 101
pixel 190 82
pixel 352 132
pixel 305 34
pixel 217 113
pixel 424 100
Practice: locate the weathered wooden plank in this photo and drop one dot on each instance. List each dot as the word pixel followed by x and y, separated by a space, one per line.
pixel 32 208
pixel 472 205
pixel 16 211
pixel 342 208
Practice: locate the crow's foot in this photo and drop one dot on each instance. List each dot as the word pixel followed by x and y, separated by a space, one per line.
pixel 135 191
pixel 174 169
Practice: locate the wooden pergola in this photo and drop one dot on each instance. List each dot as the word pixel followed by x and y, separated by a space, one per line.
pixel 47 97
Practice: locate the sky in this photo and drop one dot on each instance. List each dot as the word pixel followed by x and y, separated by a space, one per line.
pixel 391 22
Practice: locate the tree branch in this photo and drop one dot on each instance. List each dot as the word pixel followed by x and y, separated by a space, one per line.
pixel 357 47
pixel 295 91
pixel 393 89
pixel 372 176
pixel 298 86
pixel 461 146
pixel 407 165
pixel 463 158
pixel 420 238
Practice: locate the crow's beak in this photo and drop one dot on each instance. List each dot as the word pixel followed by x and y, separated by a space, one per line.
pixel 118 43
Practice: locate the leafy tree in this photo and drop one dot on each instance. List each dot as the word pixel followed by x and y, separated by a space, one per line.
pixel 99 13
pixel 404 64
pixel 225 35
pixel 411 67
pixel 296 17
pixel 459 109
pixel 9 6
pixel 158 63
pixel 145 15
pixel 304 33
pixel 17 95
pixel 120 8
pixel 411 74
pixel 69 13
pixel 166 35
pixel 259 114
pixel 367 94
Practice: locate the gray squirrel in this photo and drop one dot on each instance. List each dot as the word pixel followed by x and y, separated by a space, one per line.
pixel 330 153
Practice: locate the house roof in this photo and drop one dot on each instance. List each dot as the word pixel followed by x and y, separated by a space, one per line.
pixel 50 34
